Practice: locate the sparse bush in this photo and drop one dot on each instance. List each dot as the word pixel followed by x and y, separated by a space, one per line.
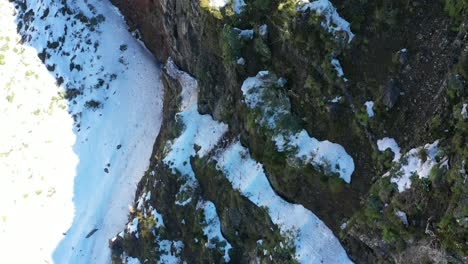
pixel 93 104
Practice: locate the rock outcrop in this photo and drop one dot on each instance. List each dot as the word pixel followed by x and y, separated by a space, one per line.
pixel 405 57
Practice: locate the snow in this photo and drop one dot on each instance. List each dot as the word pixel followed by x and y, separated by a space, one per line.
pixel 464 112
pixel 218 3
pixel 170 257
pixel 256 96
pixel 335 100
pixel 385 143
pixel 330 156
pixel 158 217
pixel 314 242
pixel 169 250
pixel 245 33
pixel 213 228
pixel 250 86
pixel 200 130
pixel 189 93
pixel 402 216
pixel 130 260
pixel 337 65
pixel 333 21
pixel 148 196
pixel 263 30
pixel 132 227
pixel 412 164
pixel 238 6
pixel 141 201
pixel 370 108
pixel 344 225
pixel 241 61
pixel 69 177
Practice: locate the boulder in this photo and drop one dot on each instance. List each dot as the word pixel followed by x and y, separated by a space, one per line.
pixel 391 93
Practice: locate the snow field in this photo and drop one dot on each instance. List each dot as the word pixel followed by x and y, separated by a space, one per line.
pixel 89 113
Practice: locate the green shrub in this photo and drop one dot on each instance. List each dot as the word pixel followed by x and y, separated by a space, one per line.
pixel 456 9
pixel 436 175
pixel 231 44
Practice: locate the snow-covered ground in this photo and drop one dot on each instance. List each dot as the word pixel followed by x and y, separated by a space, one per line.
pixel 70 162
pixel 314 242
pixel 414 163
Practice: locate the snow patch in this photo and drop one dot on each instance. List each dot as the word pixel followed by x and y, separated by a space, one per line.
pixel 402 216
pixel 333 21
pixel 385 143
pixel 241 61
pixel 370 108
pixel 245 33
pixel 158 217
pixel 335 100
pixel 412 164
pixel 199 130
pixel 130 260
pixel 238 6
pixel 213 229
pixel 314 242
pixel 330 156
pixel 259 92
pixel 169 256
pixel 464 112
pixel 263 30
pixel 217 4
pixel 132 227
pixel 336 63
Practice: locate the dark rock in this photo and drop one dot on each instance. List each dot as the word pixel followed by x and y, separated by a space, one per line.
pixel 335 110
pixel 117 245
pixel 464 63
pixel 391 93
pixel 403 56
pixel 91 233
pixel 53 45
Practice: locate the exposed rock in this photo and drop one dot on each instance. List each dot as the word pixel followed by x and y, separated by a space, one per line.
pixel 206 44
pixel 391 93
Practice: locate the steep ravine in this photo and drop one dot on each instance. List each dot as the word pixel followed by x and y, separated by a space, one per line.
pixel 403 77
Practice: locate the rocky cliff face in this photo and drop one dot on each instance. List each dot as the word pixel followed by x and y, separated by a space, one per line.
pixel 396 78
